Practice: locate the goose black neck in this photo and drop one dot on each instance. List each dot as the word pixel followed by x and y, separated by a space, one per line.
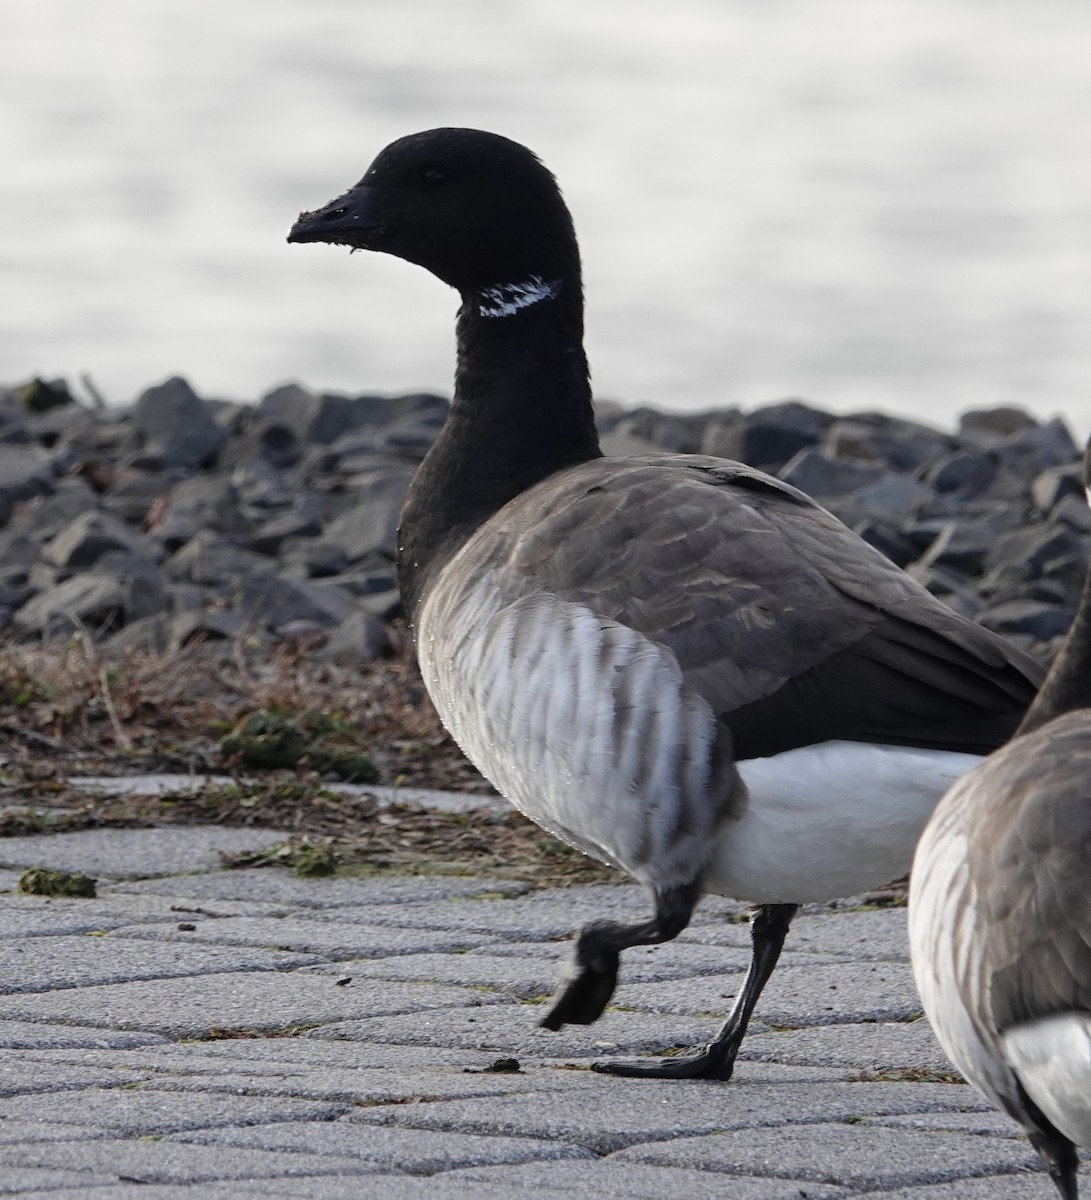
pixel 521 411
pixel 1067 687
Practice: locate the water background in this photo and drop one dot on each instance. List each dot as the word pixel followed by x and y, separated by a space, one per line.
pixel 868 203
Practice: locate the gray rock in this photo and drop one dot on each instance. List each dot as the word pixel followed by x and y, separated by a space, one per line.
pixel 213 625
pixel 44 516
pixel 769 437
pixel 822 477
pixel 888 441
pixel 663 430
pixel 93 602
pixel 200 503
pixel 1033 547
pixel 275 602
pixel 360 638
pixel 261 488
pixel 275 443
pixel 332 415
pixel 83 541
pixel 1055 483
pixel 147 590
pixel 25 471
pixel 309 557
pixel 1072 511
pixel 372 524
pixel 887 537
pixel 987 426
pixel 210 559
pixel 137 495
pixel 962 547
pixel 1036 450
pixel 721 432
pixel 177 425
pixel 289 527
pixel 288 405
pixel 1040 620
pixel 965 472
pixel 892 496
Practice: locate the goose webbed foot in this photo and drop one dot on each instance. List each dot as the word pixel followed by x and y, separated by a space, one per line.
pixel 768 929
pixel 590 981
pixel 593 971
pixel 715 1061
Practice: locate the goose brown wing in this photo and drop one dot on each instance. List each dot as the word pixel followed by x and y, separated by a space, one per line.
pixel 789 625
pixel 1031 853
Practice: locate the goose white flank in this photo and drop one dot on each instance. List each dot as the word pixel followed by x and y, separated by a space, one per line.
pixel 1000 915
pixel 676 663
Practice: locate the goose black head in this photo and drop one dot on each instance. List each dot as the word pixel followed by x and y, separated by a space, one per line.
pixel 475 209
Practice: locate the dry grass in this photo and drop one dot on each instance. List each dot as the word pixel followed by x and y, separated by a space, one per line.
pixel 66 709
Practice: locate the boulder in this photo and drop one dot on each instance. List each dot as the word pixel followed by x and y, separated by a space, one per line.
pixel 178 427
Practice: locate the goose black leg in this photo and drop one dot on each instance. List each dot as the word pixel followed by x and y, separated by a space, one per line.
pixel 1061 1161
pixel 592 973
pixel 768 929
pixel 1057 1152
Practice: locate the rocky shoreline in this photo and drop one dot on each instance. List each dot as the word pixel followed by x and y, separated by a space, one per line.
pixel 179 517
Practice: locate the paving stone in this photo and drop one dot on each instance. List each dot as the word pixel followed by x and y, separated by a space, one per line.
pixel 15 1035
pixel 553 914
pixel 339 940
pixel 28 916
pixel 336 1110
pixel 989 1121
pixel 856 1155
pixel 20 1081
pixel 169 1191
pixel 858 931
pixel 24 1180
pixel 164 1161
pixel 37 964
pixel 881 934
pixel 257 1000
pixel 1031 1185
pixel 628 1112
pixel 15 1131
pixel 402 1187
pixel 25 916
pixel 611 1177
pixel 134 1110
pixel 873 1046
pixel 671 960
pixel 512 977
pixel 275 1054
pixel 414 1151
pixel 513 1029
pixel 401 1086
pixel 283 887
pixel 811 995
pixel 134 853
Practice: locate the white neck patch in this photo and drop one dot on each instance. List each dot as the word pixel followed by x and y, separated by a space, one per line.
pixel 508 298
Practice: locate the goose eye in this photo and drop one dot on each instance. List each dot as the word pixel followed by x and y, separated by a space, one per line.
pixel 433 178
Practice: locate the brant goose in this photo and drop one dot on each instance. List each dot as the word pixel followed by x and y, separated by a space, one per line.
pixel 676 663
pixel 1000 914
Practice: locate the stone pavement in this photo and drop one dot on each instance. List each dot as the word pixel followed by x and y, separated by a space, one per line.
pixel 204 1032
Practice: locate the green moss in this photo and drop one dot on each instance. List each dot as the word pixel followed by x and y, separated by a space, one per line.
pixel 41 881
pixel 273 740
pixel 39 396
pixel 265 740
pixel 313 862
